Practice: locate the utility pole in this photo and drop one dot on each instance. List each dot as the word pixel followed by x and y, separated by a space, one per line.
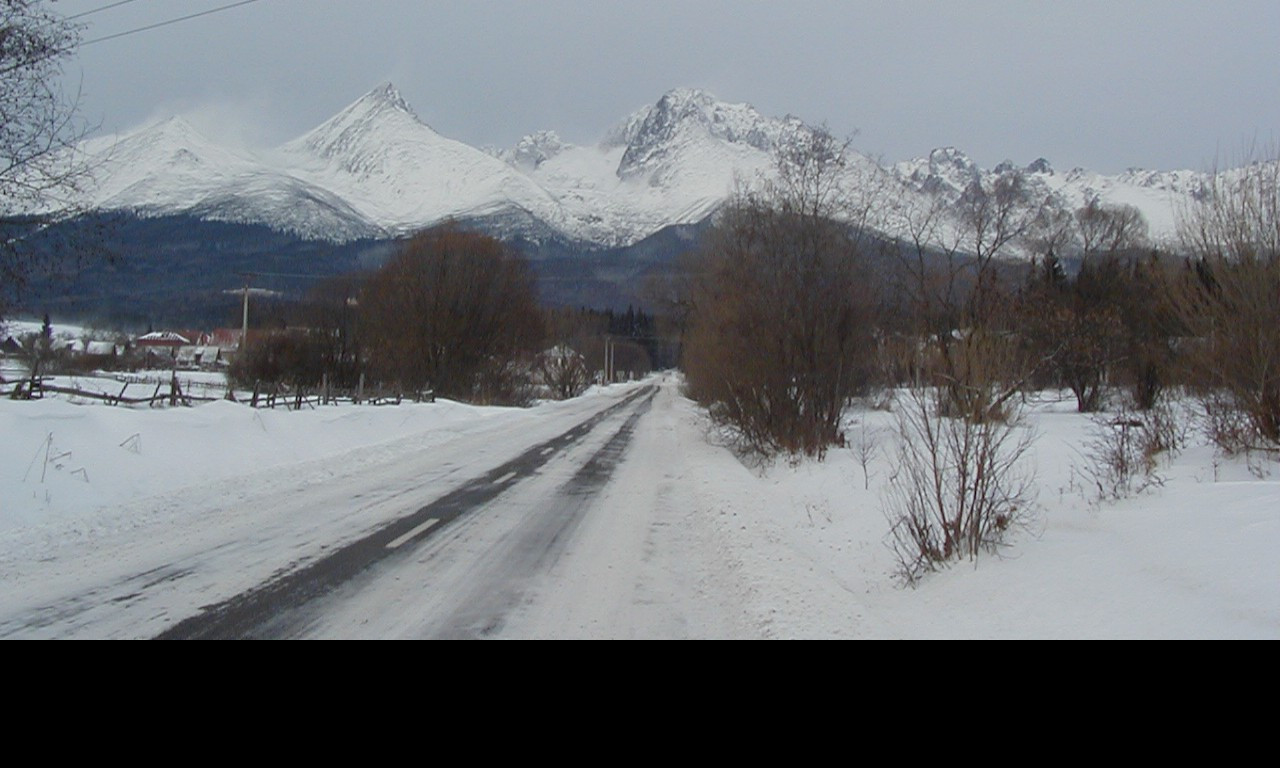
pixel 244 330
pixel 608 349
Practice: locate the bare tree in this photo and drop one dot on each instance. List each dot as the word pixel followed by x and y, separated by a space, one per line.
pixel 1090 323
pixel 331 311
pixel 1084 340
pixel 451 311
pixel 1107 231
pixel 779 332
pixel 40 173
pixel 1053 234
pixel 951 276
pixel 291 357
pixel 1228 297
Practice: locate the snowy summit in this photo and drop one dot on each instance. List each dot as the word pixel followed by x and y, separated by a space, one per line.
pixel 377 169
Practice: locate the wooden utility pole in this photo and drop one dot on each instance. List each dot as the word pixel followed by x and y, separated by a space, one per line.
pixel 605 373
pixel 244 329
pixel 608 359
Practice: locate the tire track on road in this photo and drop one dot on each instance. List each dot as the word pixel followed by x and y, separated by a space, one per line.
pixel 268 610
pixel 539 543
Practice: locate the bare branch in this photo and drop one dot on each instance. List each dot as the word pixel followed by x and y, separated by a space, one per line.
pixel 41 172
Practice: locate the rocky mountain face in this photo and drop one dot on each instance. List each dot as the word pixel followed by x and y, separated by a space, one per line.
pixel 376 170
pixel 686 123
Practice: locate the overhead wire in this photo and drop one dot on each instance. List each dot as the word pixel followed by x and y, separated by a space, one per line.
pixel 99 10
pixel 286 274
pixel 61 51
pixel 159 24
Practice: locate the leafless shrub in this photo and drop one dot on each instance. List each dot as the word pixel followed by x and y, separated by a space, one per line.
pixel 563 372
pixel 959 489
pixel 504 382
pixel 1125 447
pixel 865 445
pixel 1120 462
pixel 294 358
pixel 1227 425
pixel 1169 425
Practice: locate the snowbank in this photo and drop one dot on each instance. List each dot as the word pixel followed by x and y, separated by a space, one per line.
pixel 64 460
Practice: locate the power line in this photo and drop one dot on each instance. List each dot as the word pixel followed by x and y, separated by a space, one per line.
pixel 159 24
pixel 62 51
pixel 285 274
pixel 99 10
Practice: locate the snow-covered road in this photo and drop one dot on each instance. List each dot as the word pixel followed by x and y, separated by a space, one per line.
pixel 504 505
pixel 525 510
pixel 637 521
pixel 604 542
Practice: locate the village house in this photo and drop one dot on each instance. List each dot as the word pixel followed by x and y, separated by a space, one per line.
pixel 160 348
pixel 162 340
pixel 13 360
pixel 198 358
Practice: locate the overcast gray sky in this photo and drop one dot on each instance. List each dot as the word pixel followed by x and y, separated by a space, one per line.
pixel 1105 85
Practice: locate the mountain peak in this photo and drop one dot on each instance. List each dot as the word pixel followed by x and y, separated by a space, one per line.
pixel 173 136
pixel 685 98
pixel 175 126
pixel 686 115
pixel 377 168
pixel 385 96
pixel 364 128
pixel 950 157
pixel 692 105
pixel 1040 165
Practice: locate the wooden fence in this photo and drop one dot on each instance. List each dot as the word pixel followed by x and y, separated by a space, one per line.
pixel 36 387
pixel 274 395
pixel 173 393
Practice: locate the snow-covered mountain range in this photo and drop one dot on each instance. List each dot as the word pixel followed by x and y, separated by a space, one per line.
pixel 377 170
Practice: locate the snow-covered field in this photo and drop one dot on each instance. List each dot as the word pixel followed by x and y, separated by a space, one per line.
pixel 687 541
